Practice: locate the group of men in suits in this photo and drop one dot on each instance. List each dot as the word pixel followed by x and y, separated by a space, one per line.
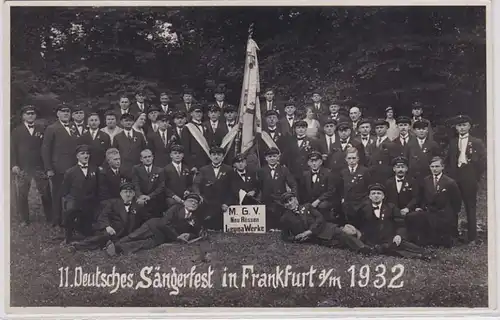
pixel 80 167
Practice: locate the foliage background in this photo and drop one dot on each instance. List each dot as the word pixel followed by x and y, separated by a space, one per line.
pixel 373 56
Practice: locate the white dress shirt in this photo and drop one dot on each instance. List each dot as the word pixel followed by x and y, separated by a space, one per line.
pixel 30 130
pixel 462 147
pixel 376 209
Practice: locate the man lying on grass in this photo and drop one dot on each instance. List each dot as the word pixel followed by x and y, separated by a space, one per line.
pixel 303 223
pixel 180 223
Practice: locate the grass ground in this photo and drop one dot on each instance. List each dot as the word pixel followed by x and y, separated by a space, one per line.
pixel 457 278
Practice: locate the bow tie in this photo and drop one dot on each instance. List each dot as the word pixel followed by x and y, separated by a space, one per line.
pixel 272 131
pixel 289 119
pixel 216 167
pixel 242 173
pixel 84 167
pixel 375 207
pixel 464 136
pixel 300 139
pixel 364 138
pixel 399 180
pixel 128 204
pixel 315 172
pixel 343 141
pixel 66 125
pixel 31 126
pixel 272 168
pixel 197 123
pixel 230 124
pixel 79 125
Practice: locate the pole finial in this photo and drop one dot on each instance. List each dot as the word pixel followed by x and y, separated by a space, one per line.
pixel 250 30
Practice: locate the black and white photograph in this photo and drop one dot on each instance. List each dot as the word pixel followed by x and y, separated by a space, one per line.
pixel 313 156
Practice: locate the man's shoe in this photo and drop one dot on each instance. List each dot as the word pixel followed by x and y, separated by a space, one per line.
pixel 110 249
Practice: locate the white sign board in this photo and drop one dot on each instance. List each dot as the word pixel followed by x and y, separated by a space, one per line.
pixel 245 219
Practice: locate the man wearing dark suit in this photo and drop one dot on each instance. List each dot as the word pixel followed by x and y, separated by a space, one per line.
pixel 180 119
pixel 230 115
pixel 181 223
pixel 140 105
pixel 304 224
pixel 149 182
pixel 243 179
pixel 187 102
pixel 58 154
pixel 466 164
pixel 78 117
pixel 166 108
pixel 196 140
pixel 269 103
pixel 353 185
pixel 421 152
pixel 288 119
pixel 317 187
pixel 274 180
pixel 436 221
pixel 117 219
pixel 327 141
pixel 215 126
pixel 79 192
pixel 212 184
pixel 27 164
pixel 152 121
pixel 319 108
pixel 125 108
pixel 366 138
pixel 130 143
pixel 334 114
pixel 178 177
pixel 219 96
pixel 382 226
pixel 417 112
pixel 402 190
pixel 404 140
pixel 355 117
pixel 297 149
pixel 382 153
pixel 273 136
pixel 111 176
pixel 98 141
pixel 336 161
pixel 161 141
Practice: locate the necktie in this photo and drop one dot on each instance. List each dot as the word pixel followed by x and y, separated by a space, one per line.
pixel 435 182
pixel 148 170
pixel 31 126
pixel 329 144
pixel 314 176
pixel 115 171
pixel 188 106
pixel 178 169
pixel 163 138
pixel 379 141
pixel 214 126
pixel 351 170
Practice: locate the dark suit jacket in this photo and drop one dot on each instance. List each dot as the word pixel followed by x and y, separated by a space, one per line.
pixel 83 189
pixel 323 189
pixel 214 190
pixel 113 214
pixel 380 230
pixel 161 150
pixel 152 184
pixel 286 129
pixel 339 117
pixel 475 153
pixel 404 151
pixel 381 160
pixel 98 146
pixel 279 138
pixel 176 184
pixel 215 137
pixel 305 218
pixel 272 189
pixel 296 158
pixel 174 223
pixel 130 149
pixel 237 183
pixel 336 159
pixel 59 148
pixel 419 158
pixel 354 187
pixel 275 105
pixel 109 182
pixel 135 108
pixel 118 113
pixel 446 199
pixel 369 146
pixel 26 149
pixel 170 112
pixel 180 139
pixel 409 195
pixel 323 110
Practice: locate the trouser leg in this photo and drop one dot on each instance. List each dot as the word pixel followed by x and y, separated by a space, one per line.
pixel 467 183
pixel 23 185
pixel 42 184
pixel 57 219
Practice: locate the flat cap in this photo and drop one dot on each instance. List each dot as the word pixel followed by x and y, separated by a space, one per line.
pixel 269 113
pixel 376 187
pixel 314 155
pixel 462 119
pixel 400 160
pixel 154 108
pixel 82 148
pixel 187 91
pixel 238 158
pixel 196 108
pixel 193 196
pixel 272 151
pixel 28 108
pixel 216 150
pixel 421 124
pixel 403 119
pixel 343 126
pixel 300 123
pixel 380 122
pixel 180 114
pixel 417 105
pixel 213 108
pixel 330 121
pixel 177 147
pixel 363 121
pixel 219 90
pixel 78 107
pixel 389 108
pixel 162 117
pixel 285 197
pixel 230 108
pixel 127 116
pixel 63 107
pixel 290 102
pixel 127 186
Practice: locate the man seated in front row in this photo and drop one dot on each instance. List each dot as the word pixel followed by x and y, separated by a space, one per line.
pixel 180 223
pixel 383 227
pixel 118 218
pixel 303 223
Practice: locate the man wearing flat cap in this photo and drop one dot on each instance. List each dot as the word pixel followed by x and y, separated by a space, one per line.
pixel 334 108
pixel 274 179
pixel 305 224
pixel 152 120
pixel 178 177
pixel 219 96
pixel 98 141
pixel 421 152
pixel 466 163
pixel 244 184
pixel 187 101
pixel 27 164
pixel 140 105
pixel 417 111
pixel 181 223
pixel 79 192
pixel 195 143
pixel 271 136
pixel 317 186
pixel 215 126
pixel 59 154
pixel 382 153
pixel 336 161
pixel 436 221
pixel 78 117
pixel 270 103
pixel 289 117
pixel 160 141
pixel 404 141
pixel 402 190
pixel 118 218
pixel 297 149
pixel 365 137
pixel 319 107
pixel 130 143
pixel 179 128
pixel 382 227
pixel 212 183
pixel 230 118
